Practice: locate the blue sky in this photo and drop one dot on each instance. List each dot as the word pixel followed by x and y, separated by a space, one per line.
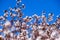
pixel 33 6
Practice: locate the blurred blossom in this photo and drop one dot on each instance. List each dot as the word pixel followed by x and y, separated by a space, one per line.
pixel 29 27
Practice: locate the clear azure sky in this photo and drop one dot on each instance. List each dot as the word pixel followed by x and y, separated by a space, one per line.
pixel 33 6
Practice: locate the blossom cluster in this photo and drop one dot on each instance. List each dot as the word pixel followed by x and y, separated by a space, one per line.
pixel 28 28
